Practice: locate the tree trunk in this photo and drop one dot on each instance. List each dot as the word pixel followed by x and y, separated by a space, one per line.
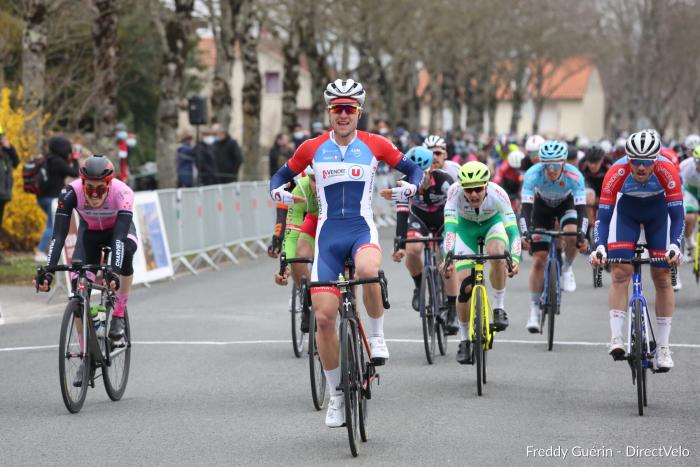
pixel 436 122
pixel 315 61
pixel 34 68
pixel 491 104
pixel 451 95
pixel 105 84
pixel 538 98
pixel 518 95
pixel 290 86
pixel 176 31
pixel 252 98
pixel 221 96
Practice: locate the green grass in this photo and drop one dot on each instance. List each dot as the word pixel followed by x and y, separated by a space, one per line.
pixel 17 268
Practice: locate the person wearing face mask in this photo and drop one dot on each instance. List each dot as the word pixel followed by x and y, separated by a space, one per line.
pixel 298 135
pixel 204 159
pixel 317 129
pixel 227 154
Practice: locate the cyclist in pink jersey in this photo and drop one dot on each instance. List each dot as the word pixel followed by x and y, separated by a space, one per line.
pixel 105 208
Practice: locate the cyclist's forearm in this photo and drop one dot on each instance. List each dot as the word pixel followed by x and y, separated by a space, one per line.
pixel 677 215
pixel 61 224
pixel 119 235
pixel 582 218
pixel 402 212
pixel 514 241
pixel 602 224
pixel 525 214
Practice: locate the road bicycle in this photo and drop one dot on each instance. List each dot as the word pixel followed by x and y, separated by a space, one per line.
pixel 433 301
pixel 641 344
pixel 299 305
pixel 83 350
pixel 481 329
pixel 358 369
pixel 550 302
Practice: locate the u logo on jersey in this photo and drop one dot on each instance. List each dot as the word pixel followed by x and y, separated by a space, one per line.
pixel 356 172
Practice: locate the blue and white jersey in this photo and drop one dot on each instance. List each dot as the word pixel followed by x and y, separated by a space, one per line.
pixel 553 193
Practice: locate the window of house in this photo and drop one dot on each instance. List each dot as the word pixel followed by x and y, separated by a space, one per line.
pixel 273 83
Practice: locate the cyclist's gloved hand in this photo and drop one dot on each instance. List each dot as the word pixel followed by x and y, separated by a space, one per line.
pixel 282 196
pixel 110 277
pixel 273 250
pixel 595 261
pixel 404 191
pixel 676 257
pixel 43 281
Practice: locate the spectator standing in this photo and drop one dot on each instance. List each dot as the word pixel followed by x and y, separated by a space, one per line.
pixel 281 150
pixel 298 135
pixel 8 161
pixel 59 165
pixel 317 129
pixel 205 160
pixel 186 162
pixel 227 154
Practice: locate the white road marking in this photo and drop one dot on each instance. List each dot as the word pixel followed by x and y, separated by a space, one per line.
pixel 282 341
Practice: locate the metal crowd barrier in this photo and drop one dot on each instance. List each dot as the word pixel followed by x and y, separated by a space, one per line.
pixel 207 224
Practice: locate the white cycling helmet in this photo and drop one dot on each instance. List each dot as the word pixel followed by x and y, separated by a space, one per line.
pixel 515 159
pixel 533 143
pixel 583 143
pixel 620 142
pixel 691 141
pixel 644 144
pixel 434 141
pixel 606 146
pixel 344 91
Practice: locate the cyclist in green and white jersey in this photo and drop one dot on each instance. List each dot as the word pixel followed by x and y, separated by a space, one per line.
pixel 479 208
pixel 690 176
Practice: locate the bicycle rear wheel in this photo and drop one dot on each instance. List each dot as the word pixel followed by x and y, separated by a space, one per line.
pixel 316 374
pixel 696 259
pixel 116 375
pixel 441 310
pixel 71 355
pixel 365 389
pixel 638 365
pixel 478 344
pixel 295 311
pixel 351 381
pixel 552 302
pixel 427 313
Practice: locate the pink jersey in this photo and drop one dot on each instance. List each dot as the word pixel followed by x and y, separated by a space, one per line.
pixel 119 198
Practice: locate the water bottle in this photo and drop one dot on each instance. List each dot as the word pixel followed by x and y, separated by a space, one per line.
pixel 99 316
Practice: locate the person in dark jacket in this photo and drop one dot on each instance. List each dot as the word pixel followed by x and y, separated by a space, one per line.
pixel 280 152
pixel 228 156
pixel 8 162
pixel 204 156
pixel 59 165
pixel 185 162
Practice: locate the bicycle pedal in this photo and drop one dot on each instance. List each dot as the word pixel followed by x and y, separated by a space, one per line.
pixel 618 356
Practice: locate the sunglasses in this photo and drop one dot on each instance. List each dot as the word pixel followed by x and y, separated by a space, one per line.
pixel 439 153
pixel 97 191
pixel 474 189
pixel 553 166
pixel 340 108
pixel 642 162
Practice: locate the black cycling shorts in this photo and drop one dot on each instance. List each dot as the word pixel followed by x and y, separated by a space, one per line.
pixel 544 217
pixel 88 247
pixel 421 223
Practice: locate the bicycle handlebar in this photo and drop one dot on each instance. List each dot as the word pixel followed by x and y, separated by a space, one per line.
pixel 381 279
pixel 77 266
pixel 553 233
pixel 478 259
pixel 284 261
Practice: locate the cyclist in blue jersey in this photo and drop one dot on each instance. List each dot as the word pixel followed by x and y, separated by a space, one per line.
pixel 345 162
pixel 552 190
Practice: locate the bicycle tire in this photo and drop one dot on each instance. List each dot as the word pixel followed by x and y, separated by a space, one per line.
pixel 295 311
pixel 696 258
pixel 365 382
pixel 637 354
pixel 441 323
pixel 69 342
pixel 478 344
pixel 316 375
pixel 110 374
pixel 426 309
pixel 552 302
pixel 349 382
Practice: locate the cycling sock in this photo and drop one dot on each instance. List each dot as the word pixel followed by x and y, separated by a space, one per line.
pixel 417 279
pixel 376 326
pixel 120 304
pixel 535 299
pixel 463 331
pixel 617 322
pixel 333 379
pixel 499 296
pixel 663 330
pixel 451 306
pixel 568 262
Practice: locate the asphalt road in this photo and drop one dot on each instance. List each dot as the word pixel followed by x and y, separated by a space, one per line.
pixel 214 381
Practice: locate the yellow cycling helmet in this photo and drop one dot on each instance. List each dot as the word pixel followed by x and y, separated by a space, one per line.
pixel 474 174
pixel 696 152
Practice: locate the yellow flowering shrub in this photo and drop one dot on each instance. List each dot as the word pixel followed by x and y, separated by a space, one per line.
pixel 24 221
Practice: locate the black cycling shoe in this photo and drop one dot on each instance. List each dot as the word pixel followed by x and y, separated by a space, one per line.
pixel 415 302
pixel 78 379
pixel 451 326
pixel 464 353
pixel 305 321
pixel 117 329
pixel 500 319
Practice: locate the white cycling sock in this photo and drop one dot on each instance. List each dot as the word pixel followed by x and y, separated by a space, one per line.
pixel 499 296
pixel 463 330
pixel 617 322
pixel 567 263
pixel 663 330
pixel 376 326
pixel 535 299
pixel 333 380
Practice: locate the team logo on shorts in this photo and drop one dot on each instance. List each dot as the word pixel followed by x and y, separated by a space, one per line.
pixel 356 172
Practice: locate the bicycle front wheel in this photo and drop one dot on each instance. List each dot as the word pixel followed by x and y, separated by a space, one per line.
pixel 116 375
pixel 478 344
pixel 316 374
pixel 351 381
pixel 552 302
pixel 638 364
pixel 426 308
pixel 73 358
pixel 295 311
pixel 441 310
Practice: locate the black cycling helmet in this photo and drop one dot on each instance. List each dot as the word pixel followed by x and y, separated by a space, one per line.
pixel 97 168
pixel 595 153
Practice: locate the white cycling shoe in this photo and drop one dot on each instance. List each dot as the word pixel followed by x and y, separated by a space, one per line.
pixel 617 348
pixel 663 361
pixel 378 349
pixel 335 416
pixel 678 285
pixel 533 324
pixel 568 281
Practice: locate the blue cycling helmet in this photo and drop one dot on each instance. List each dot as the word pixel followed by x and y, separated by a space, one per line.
pixel 423 157
pixel 553 151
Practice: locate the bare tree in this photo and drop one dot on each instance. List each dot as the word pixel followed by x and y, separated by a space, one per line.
pixel 34 65
pixel 223 24
pixel 105 83
pixel 248 35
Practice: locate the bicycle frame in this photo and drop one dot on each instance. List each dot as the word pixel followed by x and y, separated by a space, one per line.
pixel 637 296
pixel 486 318
pixel 551 256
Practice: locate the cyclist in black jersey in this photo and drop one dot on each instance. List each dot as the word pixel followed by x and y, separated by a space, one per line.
pixel 594 166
